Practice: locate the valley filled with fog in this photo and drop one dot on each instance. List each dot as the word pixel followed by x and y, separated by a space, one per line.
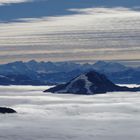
pixel 49 116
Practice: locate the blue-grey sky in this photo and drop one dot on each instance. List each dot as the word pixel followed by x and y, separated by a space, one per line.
pixel 60 30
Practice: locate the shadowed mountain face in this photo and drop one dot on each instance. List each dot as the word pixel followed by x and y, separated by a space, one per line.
pixel 42 73
pixel 41 8
pixel 89 84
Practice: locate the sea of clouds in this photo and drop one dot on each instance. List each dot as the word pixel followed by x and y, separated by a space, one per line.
pixel 49 116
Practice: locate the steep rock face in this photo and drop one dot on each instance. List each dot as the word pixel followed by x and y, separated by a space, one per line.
pixel 89 83
pixel 4 110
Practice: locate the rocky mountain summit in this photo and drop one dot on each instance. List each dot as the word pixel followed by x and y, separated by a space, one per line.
pixel 89 83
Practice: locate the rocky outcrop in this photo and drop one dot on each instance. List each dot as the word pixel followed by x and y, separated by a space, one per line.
pixel 4 110
pixel 89 83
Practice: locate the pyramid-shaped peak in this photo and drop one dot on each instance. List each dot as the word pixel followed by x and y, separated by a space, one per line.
pixel 89 83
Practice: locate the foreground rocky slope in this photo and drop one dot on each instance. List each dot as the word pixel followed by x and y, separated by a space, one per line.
pixel 89 83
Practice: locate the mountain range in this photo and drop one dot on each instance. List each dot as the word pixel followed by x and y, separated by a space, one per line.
pixel 50 73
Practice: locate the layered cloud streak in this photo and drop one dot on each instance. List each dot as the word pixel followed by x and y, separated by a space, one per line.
pixel 4 2
pixel 92 34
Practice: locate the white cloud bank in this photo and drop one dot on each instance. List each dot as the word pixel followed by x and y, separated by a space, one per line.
pixel 44 116
pixel 93 34
pixel 4 2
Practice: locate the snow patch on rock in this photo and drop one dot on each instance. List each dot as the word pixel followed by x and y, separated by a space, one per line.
pixel 88 84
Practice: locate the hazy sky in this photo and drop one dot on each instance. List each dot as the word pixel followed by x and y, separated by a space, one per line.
pixel 60 30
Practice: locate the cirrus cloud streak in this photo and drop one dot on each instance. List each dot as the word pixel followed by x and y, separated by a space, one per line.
pixel 92 34
pixel 5 2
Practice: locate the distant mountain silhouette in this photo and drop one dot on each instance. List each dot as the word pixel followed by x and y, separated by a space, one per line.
pixel 46 73
pixel 109 66
pixel 89 83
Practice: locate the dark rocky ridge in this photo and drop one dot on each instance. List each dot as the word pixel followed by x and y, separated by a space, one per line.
pixel 89 83
pixel 5 110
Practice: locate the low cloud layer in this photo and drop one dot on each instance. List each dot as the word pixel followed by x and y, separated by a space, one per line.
pixel 92 34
